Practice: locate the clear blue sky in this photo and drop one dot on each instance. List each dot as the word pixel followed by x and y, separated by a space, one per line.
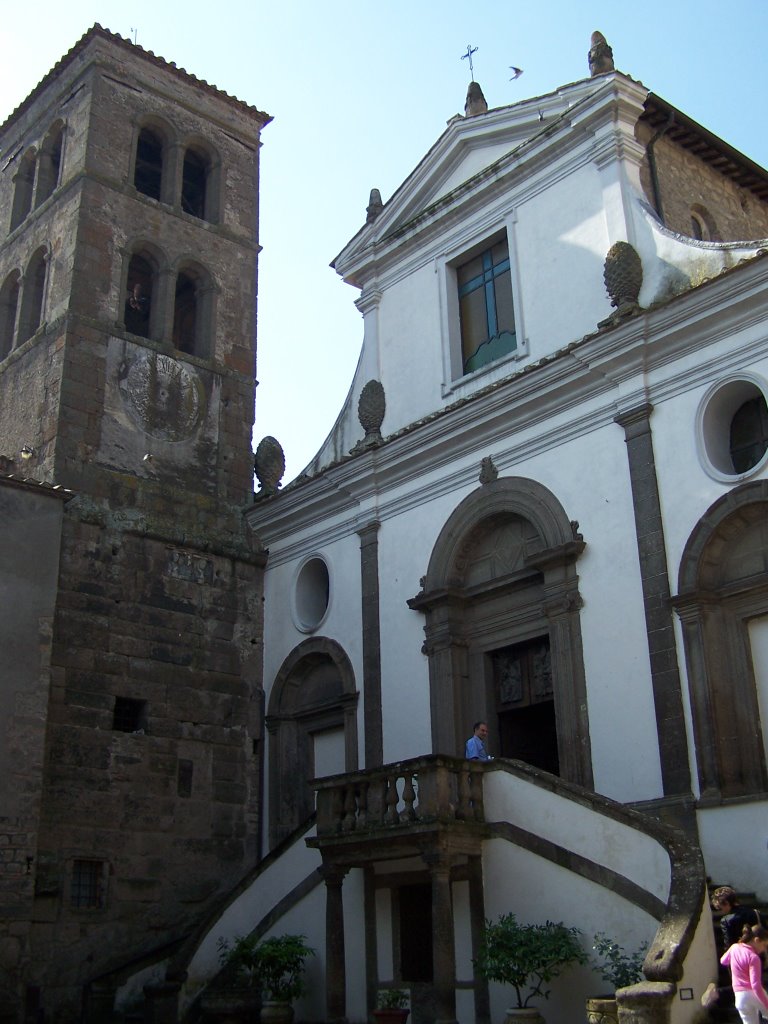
pixel 359 91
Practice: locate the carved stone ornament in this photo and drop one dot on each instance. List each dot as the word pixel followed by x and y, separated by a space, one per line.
pixel 488 471
pixel 475 102
pixel 371 407
pixel 374 207
pixel 623 276
pixel 600 55
pixel 269 463
pixel 164 397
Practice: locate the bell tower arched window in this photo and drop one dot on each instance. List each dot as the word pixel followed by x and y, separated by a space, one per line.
pixel 193 311
pixel 49 163
pixel 140 314
pixel 9 303
pixel 24 183
pixel 194 183
pixel 32 295
pixel 148 169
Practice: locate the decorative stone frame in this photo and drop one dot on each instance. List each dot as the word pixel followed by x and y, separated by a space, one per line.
pixel 715 612
pixel 713 420
pixel 446 265
pixel 292 716
pixel 458 688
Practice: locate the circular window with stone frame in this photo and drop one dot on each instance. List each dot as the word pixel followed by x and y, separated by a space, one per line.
pixel 732 428
pixel 311 594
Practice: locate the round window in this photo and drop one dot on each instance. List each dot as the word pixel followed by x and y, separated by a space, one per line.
pixel 312 594
pixel 733 427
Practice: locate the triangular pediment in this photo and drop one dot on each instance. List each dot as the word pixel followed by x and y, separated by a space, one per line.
pixel 469 149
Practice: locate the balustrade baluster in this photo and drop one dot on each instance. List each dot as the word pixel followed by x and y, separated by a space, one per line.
pixel 409 795
pixel 464 810
pixel 337 802
pixel 362 806
pixel 476 795
pixel 350 806
pixel 391 817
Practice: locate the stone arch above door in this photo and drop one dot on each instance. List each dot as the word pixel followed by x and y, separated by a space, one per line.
pixel 722 587
pixel 313 692
pixel 503 570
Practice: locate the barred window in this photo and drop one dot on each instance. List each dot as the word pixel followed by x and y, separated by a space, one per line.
pixel 87 890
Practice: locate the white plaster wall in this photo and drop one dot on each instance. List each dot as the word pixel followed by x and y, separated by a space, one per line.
pixel 536 891
pixel 562 241
pixel 734 841
pixel 603 840
pixel 410 351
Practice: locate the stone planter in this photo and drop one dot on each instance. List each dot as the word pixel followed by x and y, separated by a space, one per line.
pixel 523 1015
pixel 274 1011
pixel 602 1010
pixel 231 1004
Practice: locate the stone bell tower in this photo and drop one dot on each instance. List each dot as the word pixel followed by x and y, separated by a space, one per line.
pixel 127 275
pixel 128 266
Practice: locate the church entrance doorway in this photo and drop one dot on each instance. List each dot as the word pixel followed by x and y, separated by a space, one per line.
pixel 525 706
pixel 502 628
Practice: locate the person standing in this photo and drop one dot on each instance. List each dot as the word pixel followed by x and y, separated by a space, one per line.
pixel 475 746
pixel 743 959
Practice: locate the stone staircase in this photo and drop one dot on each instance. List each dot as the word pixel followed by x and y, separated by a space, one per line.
pixel 724 1012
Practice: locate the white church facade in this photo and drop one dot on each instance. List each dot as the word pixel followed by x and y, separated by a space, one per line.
pixel 542 505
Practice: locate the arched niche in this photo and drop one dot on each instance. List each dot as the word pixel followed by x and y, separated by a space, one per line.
pixel 722 595
pixel 501 602
pixel 313 693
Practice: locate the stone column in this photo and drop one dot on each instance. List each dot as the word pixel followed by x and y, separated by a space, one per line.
pixel 662 650
pixel 443 946
pixel 477 924
pixel 369 579
pixel 335 966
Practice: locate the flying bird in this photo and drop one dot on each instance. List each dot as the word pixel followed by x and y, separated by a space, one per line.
pixel 518 72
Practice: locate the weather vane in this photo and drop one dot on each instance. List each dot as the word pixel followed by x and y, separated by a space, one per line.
pixel 468 56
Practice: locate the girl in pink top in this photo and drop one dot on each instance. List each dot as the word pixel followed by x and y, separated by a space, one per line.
pixel 743 958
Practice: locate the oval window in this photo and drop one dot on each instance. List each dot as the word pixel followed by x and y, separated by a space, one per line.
pixel 312 594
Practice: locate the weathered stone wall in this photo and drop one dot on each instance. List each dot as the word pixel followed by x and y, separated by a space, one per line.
pixel 172 811
pixel 688 183
pixel 29 557
pixel 159 595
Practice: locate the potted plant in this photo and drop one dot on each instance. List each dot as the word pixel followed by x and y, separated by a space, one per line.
pixel 274 966
pixel 527 957
pixel 392 1006
pixel 618 969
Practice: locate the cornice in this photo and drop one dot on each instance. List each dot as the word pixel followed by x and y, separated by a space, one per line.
pixel 589 382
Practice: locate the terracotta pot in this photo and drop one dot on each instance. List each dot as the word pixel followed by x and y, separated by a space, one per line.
pixel 602 1010
pixel 524 1015
pixel 392 1015
pixel 276 1012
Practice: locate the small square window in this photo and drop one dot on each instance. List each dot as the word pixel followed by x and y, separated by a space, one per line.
pixel 87 890
pixel 130 715
pixel 486 310
pixel 184 775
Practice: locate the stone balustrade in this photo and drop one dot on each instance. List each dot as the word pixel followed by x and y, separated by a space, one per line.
pixel 423 790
